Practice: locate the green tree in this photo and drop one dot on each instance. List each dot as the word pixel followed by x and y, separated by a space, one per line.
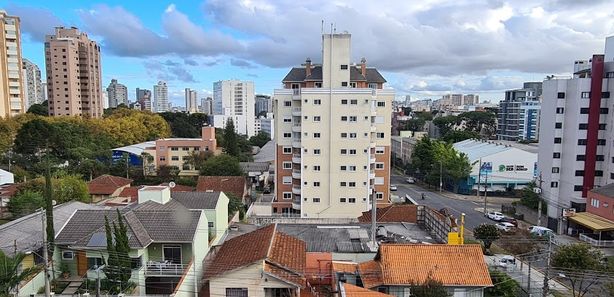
pixel 117 269
pixel 70 188
pixel 11 274
pixel 415 124
pixel 429 288
pixel 168 173
pixel 504 285
pixel 576 264
pixel 49 195
pixel 455 165
pixel 33 138
pixel 235 204
pixel 197 159
pixel 529 198
pixel 422 157
pixel 25 202
pixel 222 165
pixel 487 233
pixel 231 146
pixel 460 135
pixel 481 122
pixel 445 124
pixel 39 109
pixel 259 139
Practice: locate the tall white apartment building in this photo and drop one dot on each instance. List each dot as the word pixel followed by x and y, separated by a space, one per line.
pixel 206 105
pixel 471 99
pixel 332 136
pixel 12 99
pixel 234 99
pixel 32 82
pixel 161 97
pixel 191 100
pixel 518 116
pixel 118 94
pixel 577 135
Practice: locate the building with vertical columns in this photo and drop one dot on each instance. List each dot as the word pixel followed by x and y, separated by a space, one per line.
pixel 32 83
pixel 73 74
pixel 332 136
pixel 12 95
pixel 518 116
pixel 577 132
pixel 118 94
pixel 191 101
pixel 161 97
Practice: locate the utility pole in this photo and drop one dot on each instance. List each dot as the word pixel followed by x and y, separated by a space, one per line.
pixel 529 282
pixel 440 175
pixel 45 255
pixel 538 191
pixel 477 193
pixel 485 192
pixel 545 287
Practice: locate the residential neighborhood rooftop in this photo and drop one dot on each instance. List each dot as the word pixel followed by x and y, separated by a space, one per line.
pixel 228 184
pixel 106 184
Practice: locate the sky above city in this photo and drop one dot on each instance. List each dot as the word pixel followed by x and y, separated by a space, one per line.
pixel 423 48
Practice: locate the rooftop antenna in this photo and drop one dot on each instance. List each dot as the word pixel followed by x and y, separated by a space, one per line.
pixel 322 30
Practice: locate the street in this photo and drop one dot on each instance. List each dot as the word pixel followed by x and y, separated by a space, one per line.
pixel 434 199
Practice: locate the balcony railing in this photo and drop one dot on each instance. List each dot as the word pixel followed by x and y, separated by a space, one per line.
pixel 596 242
pixel 164 269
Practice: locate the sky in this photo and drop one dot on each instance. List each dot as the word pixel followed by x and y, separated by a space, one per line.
pixel 423 48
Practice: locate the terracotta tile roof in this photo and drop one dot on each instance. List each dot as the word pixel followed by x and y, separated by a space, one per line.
pixel 228 184
pixel 349 290
pixel 9 190
pixel 346 267
pixel 133 192
pixel 285 275
pixel 393 214
pixel 180 188
pixel 402 264
pixel 106 184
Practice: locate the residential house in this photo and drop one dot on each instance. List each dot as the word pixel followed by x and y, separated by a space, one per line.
pixel 168 243
pixel 395 213
pixel 265 262
pixel 129 195
pixel 596 224
pixel 6 177
pixel 235 185
pixel 25 235
pixel 7 191
pixel 107 186
pixel 349 290
pixel 461 269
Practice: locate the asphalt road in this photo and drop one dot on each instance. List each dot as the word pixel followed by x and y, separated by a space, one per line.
pixel 433 199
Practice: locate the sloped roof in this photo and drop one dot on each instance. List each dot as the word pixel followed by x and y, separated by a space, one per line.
pixel 349 290
pixel 133 191
pixel 283 255
pixel 403 264
pixel 393 214
pixel 197 200
pixel 136 149
pixel 298 74
pixel 607 190
pixel 227 184
pixel 106 184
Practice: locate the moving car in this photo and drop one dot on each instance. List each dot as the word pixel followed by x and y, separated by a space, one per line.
pixel 410 180
pixel 505 227
pixel 495 216
pixel 510 220
pixel 393 187
pixel 507 261
pixel 540 231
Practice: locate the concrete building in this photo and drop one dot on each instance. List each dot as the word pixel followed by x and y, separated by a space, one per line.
pixel 73 74
pixel 118 94
pixel 12 95
pixel 32 83
pixel 176 151
pixel 263 104
pixel 402 148
pixel 191 105
pixel 518 116
pixel 257 125
pixel 576 117
pixel 421 105
pixel 143 97
pixel 332 136
pixel 471 99
pixel 267 125
pixel 234 99
pixel 161 97
pixel 206 105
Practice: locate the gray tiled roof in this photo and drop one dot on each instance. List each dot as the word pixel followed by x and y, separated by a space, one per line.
pixel 254 166
pixel 297 74
pixel 170 226
pixel 26 231
pixel 607 190
pixel 197 200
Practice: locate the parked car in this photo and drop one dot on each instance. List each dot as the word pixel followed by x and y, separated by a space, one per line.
pixel 507 261
pixel 540 231
pixel 505 227
pixel 495 216
pixel 510 220
pixel 393 187
pixel 410 180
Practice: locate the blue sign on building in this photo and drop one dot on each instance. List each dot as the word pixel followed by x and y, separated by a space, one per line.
pixel 486 168
pixel 133 159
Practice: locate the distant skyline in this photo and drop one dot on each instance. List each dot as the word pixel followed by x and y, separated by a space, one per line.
pixel 424 48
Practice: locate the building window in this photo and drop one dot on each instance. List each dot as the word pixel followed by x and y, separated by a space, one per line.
pixel 344 151
pixel 175 158
pixel 585 95
pixel 381 104
pixel 185 148
pixel 316 118
pixel 287 165
pixel 579 172
pixel 343 184
pixel 605 94
pixel 287 180
pixel 344 118
pixel 342 200
pixel 353 119
pixel 344 67
pixel 352 200
pixel 318 85
pixel 210 224
pixel 316 135
pixel 582 126
pixel 352 184
pixel 611 175
pixel 379 166
pixel 560 95
pixel 352 135
pixel 604 110
pixel 577 188
pixel 380 134
pixel 379 150
pixel 316 184
pixel 560 110
pixel 609 75
pixel 93 263
pixel 580 157
pixel 162 159
pixel 287 103
pixel 379 196
pixel 581 141
pixel 344 101
pixel 343 168
pixel 316 151
pixel 174 148
pixel 316 168
pixel 236 292
pixel 557 140
pixel 287 135
pixel 287 150
pixel 352 152
pixel 352 168
pixel 68 255
pixel 599 158
pixel 558 125
pixel 287 120
pixel 316 200
pixel 602 126
pixel 598 172
pixel 372 86
pixel 287 195
pixel 317 102
pixel 344 135
pixel 354 102
pixel 344 83
pixel 554 184
pixel 595 203
pixel 555 169
pixel 584 110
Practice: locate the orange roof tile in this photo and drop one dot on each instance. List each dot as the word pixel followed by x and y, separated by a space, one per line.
pixel 106 184
pixel 349 290
pixel 402 264
pixel 346 267
pixel 370 274
pixel 228 184
pixel 392 214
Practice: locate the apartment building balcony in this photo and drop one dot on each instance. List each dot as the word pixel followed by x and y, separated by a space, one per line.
pixel 296 174
pixel 164 269
pixel 372 144
pixel 296 190
pixel 373 128
pixel 296 144
pixel 296 128
pixel 296 158
pixel 296 203
pixel 372 159
pixel 371 175
pixel 296 111
pixel 296 94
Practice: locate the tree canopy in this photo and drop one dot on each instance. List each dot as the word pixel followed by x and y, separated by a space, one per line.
pixel 25 202
pixel 222 165
pixel 431 158
pixel 231 145
pixel 117 268
pixel 504 285
pixel 39 109
pixel 472 124
pixel 577 264
pixel 11 274
pixel 259 139
pixel 185 125
pixel 487 233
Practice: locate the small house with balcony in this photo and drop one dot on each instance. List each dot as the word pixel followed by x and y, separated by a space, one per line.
pixel 596 225
pixel 168 243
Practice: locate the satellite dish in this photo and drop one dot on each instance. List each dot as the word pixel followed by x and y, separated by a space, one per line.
pixel 172 184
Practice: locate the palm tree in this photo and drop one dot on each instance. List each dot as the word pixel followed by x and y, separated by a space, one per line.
pixel 11 274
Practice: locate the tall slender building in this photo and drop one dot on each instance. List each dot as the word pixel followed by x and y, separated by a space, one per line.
pixel 234 99
pixel 73 74
pixel 118 94
pixel 12 95
pixel 32 82
pixel 191 101
pixel 143 97
pixel 332 136
pixel 206 105
pixel 161 97
pixel 263 104
pixel 518 116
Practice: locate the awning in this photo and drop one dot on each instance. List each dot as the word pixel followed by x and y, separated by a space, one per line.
pixel 592 221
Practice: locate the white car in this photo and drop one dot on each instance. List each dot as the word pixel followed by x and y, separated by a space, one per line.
pixel 540 231
pixel 393 187
pixel 410 180
pixel 505 227
pixel 495 216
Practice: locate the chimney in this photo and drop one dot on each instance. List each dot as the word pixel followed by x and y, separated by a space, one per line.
pixel 158 194
pixel 363 67
pixel 308 67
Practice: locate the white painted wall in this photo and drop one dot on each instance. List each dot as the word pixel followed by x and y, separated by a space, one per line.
pixel 249 277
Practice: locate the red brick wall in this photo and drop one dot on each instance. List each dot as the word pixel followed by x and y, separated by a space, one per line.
pixel 606 206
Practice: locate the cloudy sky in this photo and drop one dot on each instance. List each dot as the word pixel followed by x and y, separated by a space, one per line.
pixel 424 48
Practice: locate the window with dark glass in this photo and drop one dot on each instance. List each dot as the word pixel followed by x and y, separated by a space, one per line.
pixel 557 140
pixel 580 157
pixel 558 125
pixel 581 141
pixel 583 126
pixel 579 173
pixel 560 95
pixel 605 94
pixel 577 188
pixel 584 110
